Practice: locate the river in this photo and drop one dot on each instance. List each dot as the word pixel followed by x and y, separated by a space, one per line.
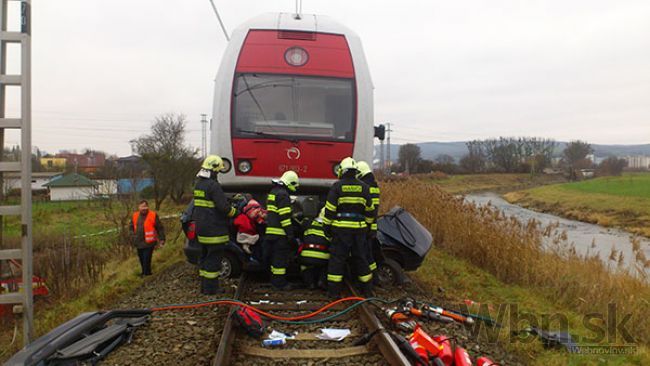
pixel 580 234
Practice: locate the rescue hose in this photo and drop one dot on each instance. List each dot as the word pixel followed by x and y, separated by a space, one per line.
pixel 288 320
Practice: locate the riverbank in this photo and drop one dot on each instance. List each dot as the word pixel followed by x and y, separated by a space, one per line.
pixel 587 239
pixel 622 202
pixel 489 257
pixel 500 183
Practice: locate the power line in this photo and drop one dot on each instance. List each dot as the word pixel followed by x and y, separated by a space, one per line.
pixel 388 131
pixel 223 27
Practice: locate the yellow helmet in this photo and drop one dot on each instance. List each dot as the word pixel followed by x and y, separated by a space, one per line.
pixel 212 162
pixel 346 165
pixel 290 180
pixel 363 168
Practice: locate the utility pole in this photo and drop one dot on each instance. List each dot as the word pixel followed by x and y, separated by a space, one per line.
pixel 382 163
pixel 204 135
pixel 24 166
pixel 390 161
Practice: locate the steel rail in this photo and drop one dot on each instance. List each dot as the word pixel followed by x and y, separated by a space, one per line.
pixel 385 343
pixel 387 347
pixel 228 333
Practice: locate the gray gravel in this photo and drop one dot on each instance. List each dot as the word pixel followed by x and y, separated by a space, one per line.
pixel 187 337
pixel 190 337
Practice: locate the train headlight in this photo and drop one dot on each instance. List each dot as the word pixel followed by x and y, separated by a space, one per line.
pixel 296 56
pixel 244 166
pixel 227 165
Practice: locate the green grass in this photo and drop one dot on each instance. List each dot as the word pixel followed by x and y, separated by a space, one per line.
pixel 628 185
pixel 609 201
pixel 121 277
pixel 55 220
pixel 461 281
pixel 72 218
pixel 465 183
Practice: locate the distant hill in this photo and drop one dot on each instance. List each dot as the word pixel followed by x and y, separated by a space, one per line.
pixel 430 150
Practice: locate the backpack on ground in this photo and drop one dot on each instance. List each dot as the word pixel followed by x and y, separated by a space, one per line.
pixel 250 321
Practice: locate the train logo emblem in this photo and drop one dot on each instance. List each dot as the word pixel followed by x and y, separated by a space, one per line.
pixel 293 153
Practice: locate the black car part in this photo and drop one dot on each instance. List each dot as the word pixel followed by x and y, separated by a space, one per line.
pixel 88 338
pixel 403 238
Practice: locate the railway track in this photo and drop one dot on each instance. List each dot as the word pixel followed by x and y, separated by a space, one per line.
pixel 236 348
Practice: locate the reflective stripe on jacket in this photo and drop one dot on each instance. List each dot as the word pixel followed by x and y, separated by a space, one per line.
pixel 149 226
pixel 369 179
pixel 278 216
pixel 316 243
pixel 349 205
pixel 212 212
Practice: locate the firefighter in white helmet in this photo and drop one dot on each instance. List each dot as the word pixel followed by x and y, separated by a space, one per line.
pixel 348 215
pixel 279 228
pixel 211 214
pixel 374 250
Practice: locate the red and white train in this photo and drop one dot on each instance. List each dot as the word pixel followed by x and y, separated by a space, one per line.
pixel 292 93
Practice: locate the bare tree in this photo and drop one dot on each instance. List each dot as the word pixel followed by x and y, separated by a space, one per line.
pixel 409 157
pixel 167 157
pixel 612 166
pixel 574 156
pixel 475 161
pixel 444 163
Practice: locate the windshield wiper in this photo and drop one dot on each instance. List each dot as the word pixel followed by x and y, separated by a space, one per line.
pixel 266 134
pixel 260 86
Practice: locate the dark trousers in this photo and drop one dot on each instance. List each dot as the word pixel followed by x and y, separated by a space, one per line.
pixel 375 257
pixel 348 243
pixel 313 271
pixel 145 255
pixel 209 267
pixel 277 253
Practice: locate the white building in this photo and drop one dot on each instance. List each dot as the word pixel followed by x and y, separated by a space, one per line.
pixel 638 162
pixel 39 179
pixel 72 187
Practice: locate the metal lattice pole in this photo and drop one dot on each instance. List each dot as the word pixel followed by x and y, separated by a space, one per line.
pixel 22 37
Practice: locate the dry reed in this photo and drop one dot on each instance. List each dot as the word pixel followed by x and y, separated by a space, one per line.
pixel 514 252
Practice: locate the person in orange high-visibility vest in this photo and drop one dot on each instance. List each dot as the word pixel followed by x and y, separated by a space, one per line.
pixel 147 233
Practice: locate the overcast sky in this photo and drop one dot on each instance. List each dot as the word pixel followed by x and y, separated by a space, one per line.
pixel 442 70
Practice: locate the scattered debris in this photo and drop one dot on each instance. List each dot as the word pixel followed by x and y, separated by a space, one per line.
pixel 333 334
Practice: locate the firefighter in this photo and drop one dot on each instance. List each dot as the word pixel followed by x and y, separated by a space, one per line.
pixel 314 253
pixel 348 213
pixel 211 214
pixel 374 250
pixel 279 228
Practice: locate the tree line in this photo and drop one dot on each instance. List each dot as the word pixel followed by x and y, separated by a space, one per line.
pixel 510 155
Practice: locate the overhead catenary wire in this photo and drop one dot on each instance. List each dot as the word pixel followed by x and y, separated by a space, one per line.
pixel 223 27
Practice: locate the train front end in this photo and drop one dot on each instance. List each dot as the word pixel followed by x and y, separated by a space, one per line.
pixel 292 93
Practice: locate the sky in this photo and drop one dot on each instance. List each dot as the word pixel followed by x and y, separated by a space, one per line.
pixel 442 70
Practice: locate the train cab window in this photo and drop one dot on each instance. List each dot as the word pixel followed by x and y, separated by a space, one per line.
pixel 290 106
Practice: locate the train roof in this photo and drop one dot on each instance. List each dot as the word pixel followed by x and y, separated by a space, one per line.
pixel 288 21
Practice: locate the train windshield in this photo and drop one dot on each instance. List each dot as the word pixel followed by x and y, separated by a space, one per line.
pixel 296 107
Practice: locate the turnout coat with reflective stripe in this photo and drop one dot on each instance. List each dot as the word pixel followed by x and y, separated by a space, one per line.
pixel 211 212
pixel 349 205
pixel 315 242
pixel 369 179
pixel 278 216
